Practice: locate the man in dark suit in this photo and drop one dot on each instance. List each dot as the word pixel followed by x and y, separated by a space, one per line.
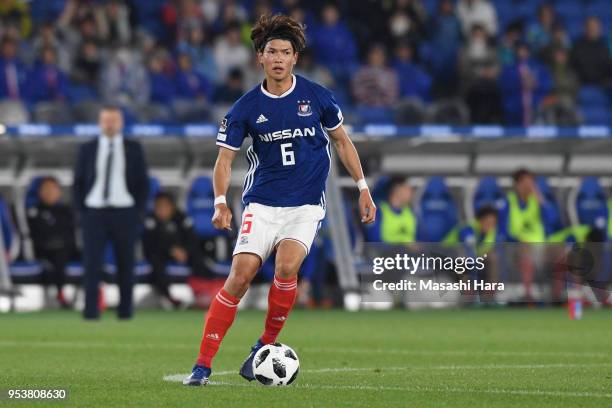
pixel 110 192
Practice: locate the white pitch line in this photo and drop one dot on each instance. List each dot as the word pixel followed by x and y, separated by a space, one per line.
pixel 339 350
pixel 547 393
pixel 180 377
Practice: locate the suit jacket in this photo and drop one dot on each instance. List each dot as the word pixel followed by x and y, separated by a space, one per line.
pixel 136 176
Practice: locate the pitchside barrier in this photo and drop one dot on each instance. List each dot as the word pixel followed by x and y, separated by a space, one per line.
pixel 177 155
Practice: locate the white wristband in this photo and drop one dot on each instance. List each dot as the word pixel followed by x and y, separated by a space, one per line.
pixel 362 185
pixel 220 200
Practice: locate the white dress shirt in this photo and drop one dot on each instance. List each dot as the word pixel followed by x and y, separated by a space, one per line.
pixel 119 196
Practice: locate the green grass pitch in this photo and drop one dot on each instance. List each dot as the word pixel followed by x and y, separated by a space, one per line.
pixel 459 358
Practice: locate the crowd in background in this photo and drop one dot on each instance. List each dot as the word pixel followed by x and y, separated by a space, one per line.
pixel 514 62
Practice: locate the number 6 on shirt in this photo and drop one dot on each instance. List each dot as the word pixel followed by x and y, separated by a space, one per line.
pixel 288 155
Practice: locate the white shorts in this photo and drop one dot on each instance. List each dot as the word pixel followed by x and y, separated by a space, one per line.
pixel 264 227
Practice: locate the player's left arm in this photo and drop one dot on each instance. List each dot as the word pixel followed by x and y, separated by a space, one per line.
pixel 350 159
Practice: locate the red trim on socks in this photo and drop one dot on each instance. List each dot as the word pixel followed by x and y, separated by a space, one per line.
pixel 281 298
pixel 219 318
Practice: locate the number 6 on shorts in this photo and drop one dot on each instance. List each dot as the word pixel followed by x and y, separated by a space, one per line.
pixel 247 224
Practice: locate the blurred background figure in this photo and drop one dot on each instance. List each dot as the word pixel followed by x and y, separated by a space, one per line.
pixel 52 228
pixel 525 223
pixel 375 84
pixel 396 223
pixel 169 237
pixel 110 191
pixel 524 84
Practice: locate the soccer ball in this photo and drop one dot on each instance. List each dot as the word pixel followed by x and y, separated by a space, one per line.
pixel 276 364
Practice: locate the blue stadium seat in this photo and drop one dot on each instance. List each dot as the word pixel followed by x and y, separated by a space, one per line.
pixel 31 197
pixel 553 220
pixel 592 95
pixel 200 207
pixel 595 115
pixel 591 203
pixel 6 225
pixel 489 193
pixel 569 10
pixel 438 211
pixel 368 114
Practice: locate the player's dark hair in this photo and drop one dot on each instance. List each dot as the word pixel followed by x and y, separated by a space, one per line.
pixel 520 174
pixel 486 211
pixel 278 27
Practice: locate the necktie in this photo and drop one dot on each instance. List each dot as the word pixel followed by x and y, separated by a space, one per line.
pixel 108 171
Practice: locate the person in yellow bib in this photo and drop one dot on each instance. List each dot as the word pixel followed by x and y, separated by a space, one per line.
pixel 479 238
pixel 525 220
pixel 397 223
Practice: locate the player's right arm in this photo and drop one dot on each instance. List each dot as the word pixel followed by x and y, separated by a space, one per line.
pixel 222 218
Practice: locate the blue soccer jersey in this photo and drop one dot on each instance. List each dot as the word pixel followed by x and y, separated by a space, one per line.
pixel 290 155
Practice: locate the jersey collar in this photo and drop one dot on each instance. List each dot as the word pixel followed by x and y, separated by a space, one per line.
pixel 287 92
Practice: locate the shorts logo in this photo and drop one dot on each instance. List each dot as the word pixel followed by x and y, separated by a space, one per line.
pixel 244 240
pixel 304 108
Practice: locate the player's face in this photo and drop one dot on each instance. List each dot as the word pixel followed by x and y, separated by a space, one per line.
pixel 110 122
pixel 278 59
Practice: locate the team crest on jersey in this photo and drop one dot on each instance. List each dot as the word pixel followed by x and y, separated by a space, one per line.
pixel 223 126
pixel 304 108
pixel 244 240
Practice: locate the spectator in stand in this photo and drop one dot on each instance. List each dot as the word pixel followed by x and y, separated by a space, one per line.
pixel 48 36
pixel 231 90
pixel 160 81
pixel 560 40
pixel 15 13
pixel 46 82
pixel 334 44
pixel 565 80
pixel 87 65
pixel 124 80
pixel 375 84
pixel 196 45
pixel 113 20
pixel 591 56
pixel 169 237
pixel 190 84
pixel 52 228
pixel 307 68
pixel 78 25
pixel 524 84
pixel 414 82
pixel 481 12
pixel 540 33
pixel 12 71
pixel 479 67
pixel 443 47
pixel 476 55
pixel 407 20
pixel 231 13
pixel 230 52
pixel 507 45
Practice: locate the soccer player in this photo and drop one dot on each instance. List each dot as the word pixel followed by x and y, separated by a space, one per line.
pixel 291 121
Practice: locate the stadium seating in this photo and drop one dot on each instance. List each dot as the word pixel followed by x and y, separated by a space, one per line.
pixel 591 203
pixel 553 220
pixel 489 193
pixel 438 211
pixel 200 207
